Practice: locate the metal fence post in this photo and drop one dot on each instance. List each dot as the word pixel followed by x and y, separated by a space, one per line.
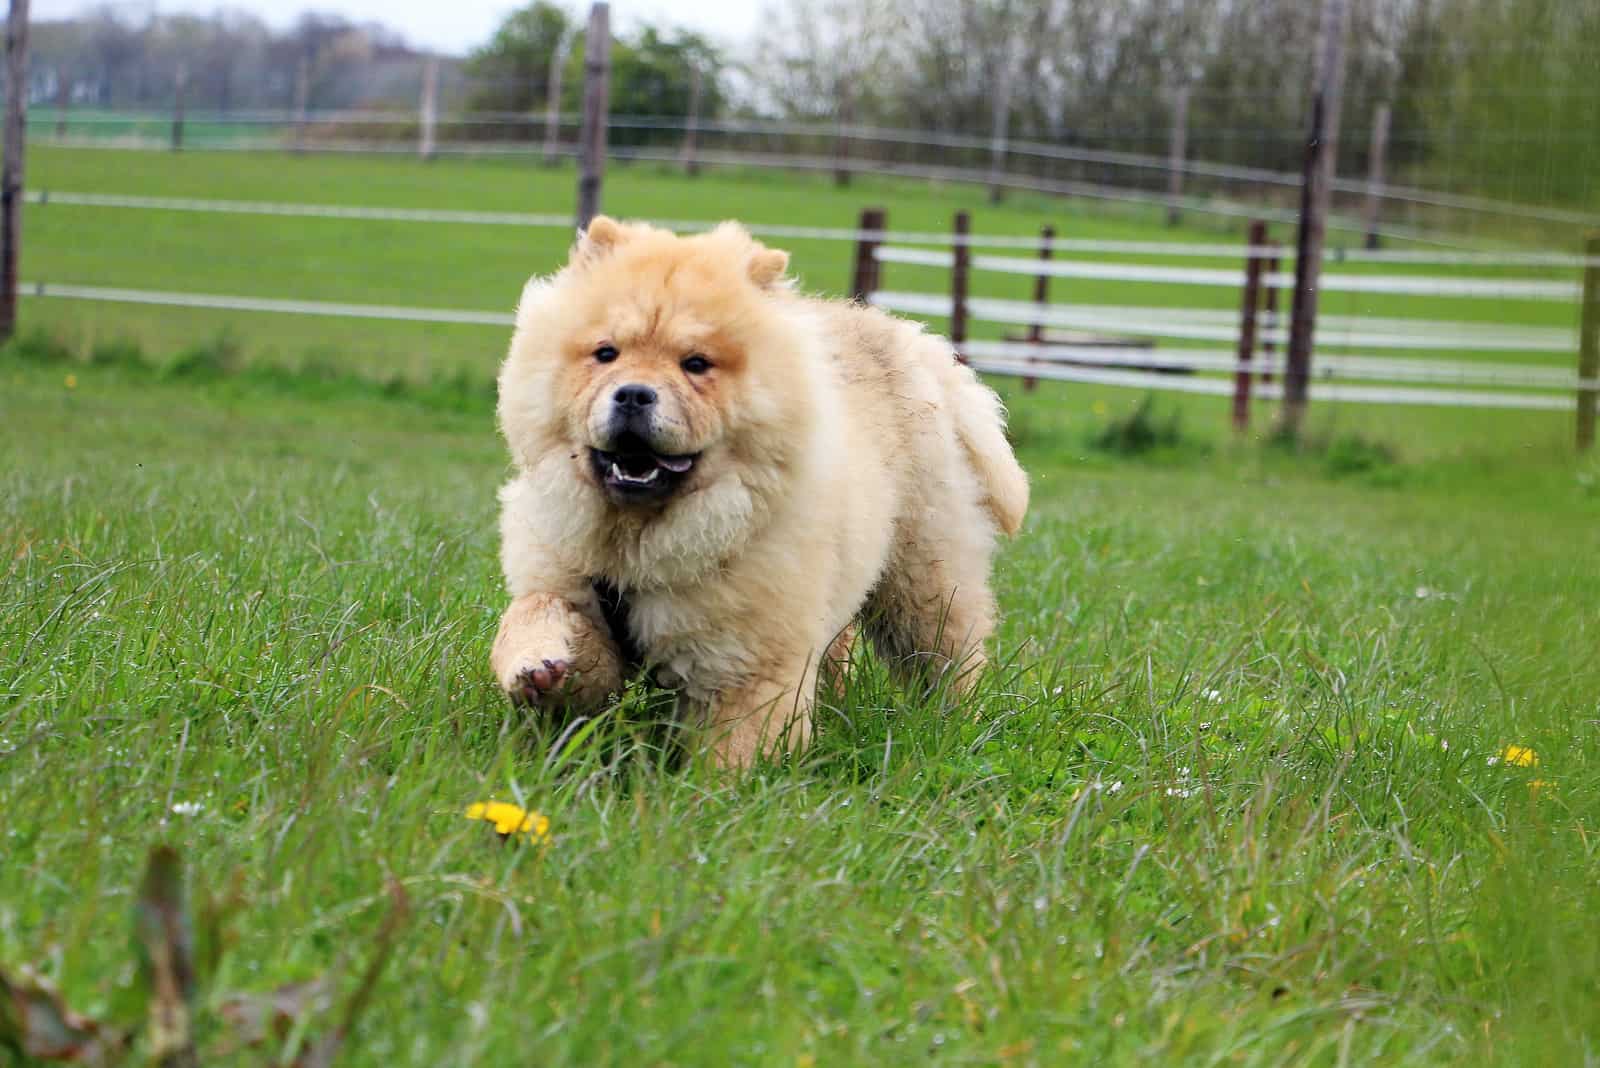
pixel 1248 303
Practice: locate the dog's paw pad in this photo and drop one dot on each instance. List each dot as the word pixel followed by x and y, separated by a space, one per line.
pixel 535 683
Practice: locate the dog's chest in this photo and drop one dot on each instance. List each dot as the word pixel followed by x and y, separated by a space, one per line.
pixel 671 635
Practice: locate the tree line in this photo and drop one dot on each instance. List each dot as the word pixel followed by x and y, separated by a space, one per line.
pixel 1494 96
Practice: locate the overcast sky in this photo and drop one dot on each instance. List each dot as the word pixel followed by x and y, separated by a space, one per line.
pixel 451 27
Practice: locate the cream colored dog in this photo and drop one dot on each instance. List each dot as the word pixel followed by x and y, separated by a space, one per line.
pixel 722 476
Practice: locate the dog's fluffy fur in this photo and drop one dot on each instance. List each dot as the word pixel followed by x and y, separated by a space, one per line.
pixel 845 468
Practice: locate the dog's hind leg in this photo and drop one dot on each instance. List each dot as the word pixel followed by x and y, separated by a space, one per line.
pixel 767 715
pixel 932 611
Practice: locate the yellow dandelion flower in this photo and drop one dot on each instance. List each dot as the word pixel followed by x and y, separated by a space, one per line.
pixel 1100 408
pixel 1538 786
pixel 509 819
pixel 72 381
pixel 1520 756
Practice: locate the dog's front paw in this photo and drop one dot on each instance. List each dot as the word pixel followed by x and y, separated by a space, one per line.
pixel 539 684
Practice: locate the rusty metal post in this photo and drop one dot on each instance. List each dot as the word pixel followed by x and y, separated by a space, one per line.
pixel 596 106
pixel 864 279
pixel 1589 345
pixel 1041 297
pixel 961 265
pixel 1248 302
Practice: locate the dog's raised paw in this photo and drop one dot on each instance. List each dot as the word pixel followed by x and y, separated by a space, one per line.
pixel 537 683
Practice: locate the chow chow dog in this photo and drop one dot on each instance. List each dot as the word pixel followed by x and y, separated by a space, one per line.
pixel 723 481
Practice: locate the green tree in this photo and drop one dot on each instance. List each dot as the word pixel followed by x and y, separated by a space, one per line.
pixel 511 73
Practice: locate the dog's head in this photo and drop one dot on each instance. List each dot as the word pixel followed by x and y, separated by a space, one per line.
pixel 657 363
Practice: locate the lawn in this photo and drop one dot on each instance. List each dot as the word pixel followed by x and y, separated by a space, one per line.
pixel 1237 791
pixel 1234 795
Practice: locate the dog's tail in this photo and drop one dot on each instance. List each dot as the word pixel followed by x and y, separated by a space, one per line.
pixel 980 423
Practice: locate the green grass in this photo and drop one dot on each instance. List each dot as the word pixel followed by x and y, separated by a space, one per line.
pixel 1227 799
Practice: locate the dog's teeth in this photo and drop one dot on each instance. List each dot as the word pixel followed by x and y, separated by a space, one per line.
pixel 651 477
pixel 616 472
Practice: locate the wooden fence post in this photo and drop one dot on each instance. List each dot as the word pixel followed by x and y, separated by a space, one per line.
pixel 1041 297
pixel 552 99
pixel 1176 151
pixel 15 138
pixel 1315 192
pixel 1377 152
pixel 596 101
pixel 1269 323
pixel 1248 302
pixel 1589 345
pixel 841 140
pixel 1000 129
pixel 63 101
pixel 428 108
pixel 961 264
pixel 302 102
pixel 180 83
pixel 691 131
pixel 864 280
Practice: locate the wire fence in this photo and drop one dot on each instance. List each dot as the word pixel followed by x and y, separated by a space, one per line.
pixel 1205 187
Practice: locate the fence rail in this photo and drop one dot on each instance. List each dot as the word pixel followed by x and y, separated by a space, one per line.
pixel 1142 178
pixel 1122 349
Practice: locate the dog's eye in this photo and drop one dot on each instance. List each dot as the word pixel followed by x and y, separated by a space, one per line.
pixel 605 353
pixel 696 364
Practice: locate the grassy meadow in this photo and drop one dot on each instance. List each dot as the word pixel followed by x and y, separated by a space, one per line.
pixel 1236 792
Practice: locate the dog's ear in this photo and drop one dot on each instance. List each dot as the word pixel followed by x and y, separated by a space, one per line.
pixel 767 266
pixel 601 235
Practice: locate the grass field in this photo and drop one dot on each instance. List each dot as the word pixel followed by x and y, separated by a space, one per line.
pixel 1236 794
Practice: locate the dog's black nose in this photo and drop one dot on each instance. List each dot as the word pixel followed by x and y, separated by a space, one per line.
pixel 633 398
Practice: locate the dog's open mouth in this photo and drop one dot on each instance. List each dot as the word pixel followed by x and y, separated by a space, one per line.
pixel 632 471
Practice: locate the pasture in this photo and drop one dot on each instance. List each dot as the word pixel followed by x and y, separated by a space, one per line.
pixel 1237 791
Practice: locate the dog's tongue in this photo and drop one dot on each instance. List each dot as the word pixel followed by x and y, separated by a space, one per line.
pixel 676 464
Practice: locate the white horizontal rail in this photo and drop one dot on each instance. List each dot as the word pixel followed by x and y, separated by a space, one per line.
pixel 1207 325
pixel 1272 391
pixel 1175 249
pixel 263 304
pixel 1412 285
pixel 1324 367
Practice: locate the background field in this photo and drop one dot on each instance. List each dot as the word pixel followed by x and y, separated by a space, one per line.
pixel 1235 794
